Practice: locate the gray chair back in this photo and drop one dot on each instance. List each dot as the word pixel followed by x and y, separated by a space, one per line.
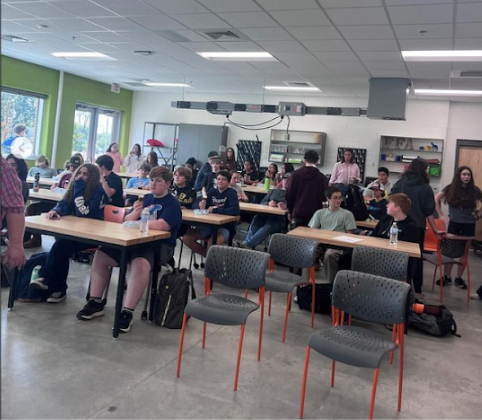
pixel 380 262
pixel 370 298
pixel 236 267
pixel 292 251
pixel 452 248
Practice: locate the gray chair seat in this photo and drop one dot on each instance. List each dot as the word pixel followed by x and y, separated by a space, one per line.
pixel 221 309
pixel 433 258
pixel 282 282
pixel 352 345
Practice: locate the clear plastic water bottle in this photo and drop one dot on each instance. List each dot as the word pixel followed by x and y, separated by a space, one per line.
pixel 394 234
pixel 144 227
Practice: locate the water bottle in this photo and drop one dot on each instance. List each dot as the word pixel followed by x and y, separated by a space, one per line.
pixel 266 184
pixel 36 182
pixel 35 273
pixel 394 234
pixel 144 227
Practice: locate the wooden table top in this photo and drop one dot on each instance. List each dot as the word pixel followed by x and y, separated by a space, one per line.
pixel 259 189
pixel 329 237
pixel 367 224
pixel 209 219
pixel 97 230
pixel 262 208
pixel 43 181
pixel 136 192
pixel 43 194
pixel 127 175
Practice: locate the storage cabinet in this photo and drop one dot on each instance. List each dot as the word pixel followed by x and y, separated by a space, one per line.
pixel 292 150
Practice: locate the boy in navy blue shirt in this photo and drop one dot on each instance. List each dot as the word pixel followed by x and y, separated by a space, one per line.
pixel 220 200
pixel 166 215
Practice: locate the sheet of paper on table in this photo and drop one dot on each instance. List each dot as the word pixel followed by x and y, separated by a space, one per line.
pixel 349 239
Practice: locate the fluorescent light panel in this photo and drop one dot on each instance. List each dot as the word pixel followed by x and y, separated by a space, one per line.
pixel 448 92
pixel 237 56
pixel 449 55
pixel 292 88
pixel 154 84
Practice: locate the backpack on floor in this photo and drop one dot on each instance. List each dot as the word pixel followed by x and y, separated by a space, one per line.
pixel 172 298
pixel 22 289
pixel 322 298
pixel 436 320
pixel 355 203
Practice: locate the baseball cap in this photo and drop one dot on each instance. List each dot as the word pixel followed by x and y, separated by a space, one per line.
pixel 213 154
pixel 74 161
pixel 377 186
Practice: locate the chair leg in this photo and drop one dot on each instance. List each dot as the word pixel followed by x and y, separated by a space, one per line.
pixel 286 316
pixel 468 283
pixel 374 391
pixel 394 339
pixel 434 277
pixel 181 343
pixel 332 381
pixel 401 344
pixel 204 334
pixel 180 253
pixel 313 294
pixel 238 362
pixel 441 285
pixel 261 322
pixel 246 293
pixel 269 303
pixel 303 384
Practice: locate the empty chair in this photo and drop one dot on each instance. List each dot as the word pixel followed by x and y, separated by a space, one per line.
pixel 295 252
pixel 380 262
pixel 369 298
pixel 431 240
pixel 239 269
pixel 114 214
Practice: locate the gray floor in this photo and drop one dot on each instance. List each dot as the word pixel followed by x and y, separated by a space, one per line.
pixel 54 366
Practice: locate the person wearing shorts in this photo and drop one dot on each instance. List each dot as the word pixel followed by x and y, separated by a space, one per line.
pixel 166 215
pixel 463 198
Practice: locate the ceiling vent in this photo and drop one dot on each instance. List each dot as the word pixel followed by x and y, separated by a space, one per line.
pixel 13 38
pixel 144 53
pixel 222 35
pixel 467 74
pixel 298 84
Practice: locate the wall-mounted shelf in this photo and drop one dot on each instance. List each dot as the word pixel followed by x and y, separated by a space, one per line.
pixel 282 150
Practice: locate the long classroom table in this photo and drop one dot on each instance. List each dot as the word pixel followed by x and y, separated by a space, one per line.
pixel 98 233
pixel 127 175
pixel 48 182
pixel 254 189
pixel 330 237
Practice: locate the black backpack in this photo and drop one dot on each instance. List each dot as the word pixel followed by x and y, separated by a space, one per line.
pixel 355 203
pixel 172 298
pixel 440 324
pixel 322 298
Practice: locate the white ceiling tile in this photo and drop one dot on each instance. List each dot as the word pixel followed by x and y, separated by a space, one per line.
pixel 301 18
pixel 468 43
pixel 440 13
pixel 156 22
pixel 249 19
pixel 380 55
pixel 384 65
pixel 429 70
pixel 144 37
pixel 179 6
pixel 201 46
pixel 288 4
pixel 470 12
pixel 366 32
pixel 341 68
pixel 240 46
pixel 349 3
pixel 426 44
pixel 297 59
pixel 336 56
pixel 332 45
pixel 104 48
pixel 117 23
pixel 431 31
pixel 358 16
pixel 185 55
pixel 467 65
pixel 282 46
pixel 314 33
pixel 10 27
pixel 200 21
pixel 389 73
pixel 374 45
pixel 32 25
pixel 464 30
pixel 9 12
pixel 83 8
pixel 129 7
pixel 106 36
pixel 416 2
pixel 43 10
pixel 267 34
pixel 77 25
pixel 223 6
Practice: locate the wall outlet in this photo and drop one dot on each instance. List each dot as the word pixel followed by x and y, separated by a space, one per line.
pixel 286 136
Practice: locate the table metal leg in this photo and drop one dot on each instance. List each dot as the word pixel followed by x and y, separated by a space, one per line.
pixel 13 286
pixel 155 275
pixel 120 291
pixel 215 234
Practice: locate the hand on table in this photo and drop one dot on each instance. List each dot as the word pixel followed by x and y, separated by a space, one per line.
pixel 52 214
pixel 273 203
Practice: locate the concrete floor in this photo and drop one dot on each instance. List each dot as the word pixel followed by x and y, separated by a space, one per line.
pixel 54 366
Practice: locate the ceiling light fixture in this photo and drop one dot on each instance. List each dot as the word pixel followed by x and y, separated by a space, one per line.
pixel 292 88
pixel 448 92
pixel 161 84
pixel 237 56
pixel 448 55
pixel 82 55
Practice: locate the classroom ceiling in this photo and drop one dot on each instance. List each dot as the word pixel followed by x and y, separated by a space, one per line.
pixel 335 45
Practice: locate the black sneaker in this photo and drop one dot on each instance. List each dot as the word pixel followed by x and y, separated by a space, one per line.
pixel 91 310
pixel 56 297
pixel 460 283
pixel 125 321
pixel 447 281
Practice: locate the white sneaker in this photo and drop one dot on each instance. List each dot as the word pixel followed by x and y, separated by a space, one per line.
pixel 56 297
pixel 39 284
pixel 475 296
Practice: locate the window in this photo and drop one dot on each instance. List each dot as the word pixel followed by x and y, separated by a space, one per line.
pixel 94 130
pixel 18 108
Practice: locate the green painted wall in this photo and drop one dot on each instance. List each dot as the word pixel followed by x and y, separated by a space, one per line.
pixel 30 77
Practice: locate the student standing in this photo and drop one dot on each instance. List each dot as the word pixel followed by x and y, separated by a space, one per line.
pixel 346 171
pixel 231 164
pixel 463 198
pixel 111 182
pixel 133 161
pixel 113 152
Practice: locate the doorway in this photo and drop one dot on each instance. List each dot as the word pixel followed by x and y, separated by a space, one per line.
pixel 469 153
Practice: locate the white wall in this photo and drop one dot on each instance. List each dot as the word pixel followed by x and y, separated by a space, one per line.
pixel 425 119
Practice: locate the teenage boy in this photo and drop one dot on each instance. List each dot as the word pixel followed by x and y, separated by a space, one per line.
pixel 42 168
pixel 220 200
pixel 111 182
pixel 377 208
pixel 181 189
pixel 383 174
pixel 264 225
pixel 166 215
pixel 234 184
pixel 250 175
pixel 336 219
pixel 205 169
pixel 306 191
pixel 142 181
pixel 65 176
pixel 209 180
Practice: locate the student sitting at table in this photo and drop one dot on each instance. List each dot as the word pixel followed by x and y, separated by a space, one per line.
pixel 377 207
pixel 167 216
pixel 142 181
pixel 65 177
pixel 111 182
pixel 235 185
pixel 264 225
pixel 181 189
pixel 220 200
pixel 250 175
pixel 42 168
pixel 205 169
pixel 336 219
pixel 210 178
pixel 85 198
pixel 272 174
